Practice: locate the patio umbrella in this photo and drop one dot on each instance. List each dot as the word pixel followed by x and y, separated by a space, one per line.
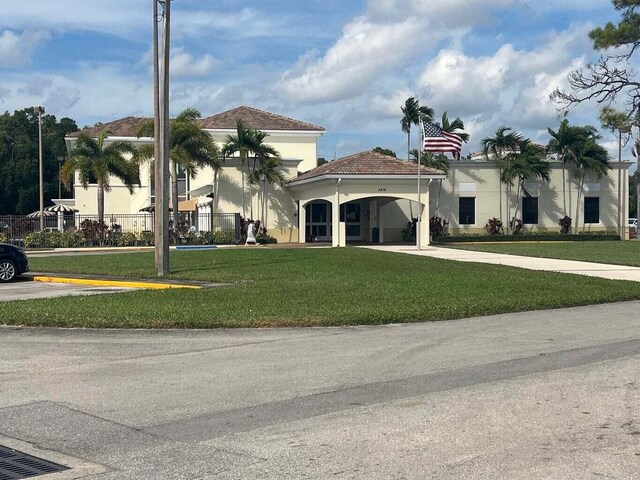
pixel 61 210
pixel 36 214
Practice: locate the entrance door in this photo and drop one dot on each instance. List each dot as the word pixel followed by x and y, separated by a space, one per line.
pixel 318 227
pixel 350 213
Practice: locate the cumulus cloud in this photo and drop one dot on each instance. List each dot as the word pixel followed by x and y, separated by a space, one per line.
pixel 365 50
pixel 16 50
pixel 183 64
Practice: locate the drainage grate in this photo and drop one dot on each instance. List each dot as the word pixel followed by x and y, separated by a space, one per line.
pixel 15 465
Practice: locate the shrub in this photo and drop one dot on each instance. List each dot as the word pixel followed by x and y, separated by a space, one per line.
pixel 409 233
pixel 438 227
pixel 127 239
pixel 265 239
pixel 146 238
pixel 565 225
pixel 494 226
pixel 224 237
pixel 515 226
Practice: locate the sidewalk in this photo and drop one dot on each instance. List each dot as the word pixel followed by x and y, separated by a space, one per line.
pixel 612 272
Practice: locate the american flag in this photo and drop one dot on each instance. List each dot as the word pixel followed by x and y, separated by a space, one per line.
pixel 436 140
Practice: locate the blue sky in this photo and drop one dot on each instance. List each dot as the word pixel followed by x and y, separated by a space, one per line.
pixel 345 65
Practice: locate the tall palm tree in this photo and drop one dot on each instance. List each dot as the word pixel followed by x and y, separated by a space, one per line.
pixel 264 158
pixel 504 142
pixel 527 162
pixel 190 148
pixel 248 142
pixel 412 114
pixel 457 127
pixel 591 158
pixel 563 144
pixel 96 162
pixel 267 172
pixel 438 161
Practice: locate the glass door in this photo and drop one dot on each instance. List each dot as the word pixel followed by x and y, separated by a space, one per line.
pixel 318 225
pixel 350 213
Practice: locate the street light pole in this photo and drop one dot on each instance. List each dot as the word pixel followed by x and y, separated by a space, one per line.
pixel 161 137
pixel 40 111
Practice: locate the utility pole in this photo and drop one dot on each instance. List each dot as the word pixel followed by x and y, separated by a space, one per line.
pixel 40 111
pixel 161 137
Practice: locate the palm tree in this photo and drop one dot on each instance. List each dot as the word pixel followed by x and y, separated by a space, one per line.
pixel 590 158
pixel 563 144
pixel 527 162
pixel 505 141
pixel 265 157
pixel 248 142
pixel 438 161
pixel 412 114
pixel 190 148
pixel 95 162
pixel 266 173
pixel 457 127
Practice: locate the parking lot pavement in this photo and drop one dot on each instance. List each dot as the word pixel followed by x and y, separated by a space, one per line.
pixel 25 289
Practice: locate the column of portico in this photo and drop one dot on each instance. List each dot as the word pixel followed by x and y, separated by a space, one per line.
pixel 302 224
pixel 335 217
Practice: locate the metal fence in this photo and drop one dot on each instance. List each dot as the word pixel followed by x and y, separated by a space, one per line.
pixel 76 230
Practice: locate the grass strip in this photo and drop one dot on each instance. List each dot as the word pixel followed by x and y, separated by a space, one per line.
pixel 613 252
pixel 306 287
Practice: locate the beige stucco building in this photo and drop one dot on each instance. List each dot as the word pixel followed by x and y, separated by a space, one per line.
pixel 371 194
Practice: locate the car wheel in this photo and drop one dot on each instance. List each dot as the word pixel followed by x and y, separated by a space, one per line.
pixel 8 270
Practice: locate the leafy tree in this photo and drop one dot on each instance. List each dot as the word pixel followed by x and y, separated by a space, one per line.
pixel 521 165
pixel 96 162
pixel 385 151
pixel 608 78
pixel 190 148
pixel 19 172
pixel 321 161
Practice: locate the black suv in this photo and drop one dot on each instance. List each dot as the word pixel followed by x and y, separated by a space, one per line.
pixel 13 262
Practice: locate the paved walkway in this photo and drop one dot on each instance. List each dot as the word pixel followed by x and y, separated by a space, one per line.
pixel 612 272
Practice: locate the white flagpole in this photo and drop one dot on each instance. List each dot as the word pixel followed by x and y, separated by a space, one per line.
pixel 419 209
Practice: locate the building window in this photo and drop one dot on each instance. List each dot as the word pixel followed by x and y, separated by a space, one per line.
pixel 591 209
pixel 530 210
pixel 467 210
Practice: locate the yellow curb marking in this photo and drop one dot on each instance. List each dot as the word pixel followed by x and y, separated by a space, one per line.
pixel 111 283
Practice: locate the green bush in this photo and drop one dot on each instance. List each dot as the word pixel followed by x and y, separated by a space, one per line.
pixel 531 237
pixel 146 238
pixel 265 239
pixel 225 237
pixel 127 239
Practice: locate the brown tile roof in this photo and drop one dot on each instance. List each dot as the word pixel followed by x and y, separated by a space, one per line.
pixel 258 119
pixel 124 127
pixel 367 163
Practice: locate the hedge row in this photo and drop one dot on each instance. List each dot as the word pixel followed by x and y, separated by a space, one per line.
pixel 126 239
pixel 548 237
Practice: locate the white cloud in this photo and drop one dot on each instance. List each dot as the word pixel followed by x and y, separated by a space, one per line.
pixel 17 50
pixel 364 51
pixel 183 64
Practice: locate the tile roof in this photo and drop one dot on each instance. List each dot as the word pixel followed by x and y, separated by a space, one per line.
pixel 251 117
pixel 258 119
pixel 367 163
pixel 124 127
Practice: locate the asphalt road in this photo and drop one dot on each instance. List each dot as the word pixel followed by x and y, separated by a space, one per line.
pixel 552 394
pixel 24 289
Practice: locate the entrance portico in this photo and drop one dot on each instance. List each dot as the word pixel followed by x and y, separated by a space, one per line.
pixel 341 201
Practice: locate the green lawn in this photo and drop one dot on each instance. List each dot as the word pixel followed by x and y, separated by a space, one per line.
pixel 304 287
pixel 613 252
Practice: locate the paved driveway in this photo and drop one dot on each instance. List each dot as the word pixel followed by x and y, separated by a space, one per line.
pixel 553 394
